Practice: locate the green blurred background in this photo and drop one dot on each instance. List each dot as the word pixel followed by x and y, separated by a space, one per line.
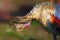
pixel 34 32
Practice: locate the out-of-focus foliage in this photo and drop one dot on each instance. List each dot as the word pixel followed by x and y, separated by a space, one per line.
pixel 31 33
